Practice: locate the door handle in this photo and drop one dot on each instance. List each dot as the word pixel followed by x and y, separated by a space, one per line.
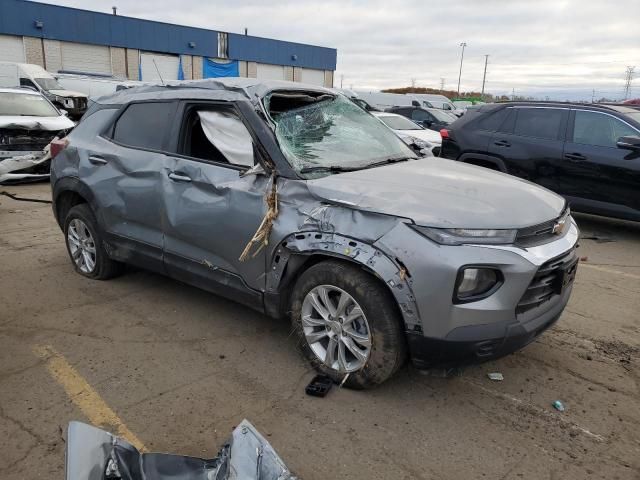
pixel 96 160
pixel 575 157
pixel 502 143
pixel 179 177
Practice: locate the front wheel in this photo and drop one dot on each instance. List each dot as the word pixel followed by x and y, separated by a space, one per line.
pixel 348 324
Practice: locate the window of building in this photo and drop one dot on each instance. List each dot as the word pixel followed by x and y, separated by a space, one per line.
pixel 539 122
pixel 144 125
pixel 223 45
pixel 598 129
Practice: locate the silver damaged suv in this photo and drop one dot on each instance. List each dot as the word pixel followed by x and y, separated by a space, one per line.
pixel 296 202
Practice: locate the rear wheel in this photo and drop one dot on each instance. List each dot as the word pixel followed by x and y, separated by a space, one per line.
pixel 348 324
pixel 84 245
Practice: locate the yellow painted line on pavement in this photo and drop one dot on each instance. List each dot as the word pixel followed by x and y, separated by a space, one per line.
pixel 610 270
pixel 83 395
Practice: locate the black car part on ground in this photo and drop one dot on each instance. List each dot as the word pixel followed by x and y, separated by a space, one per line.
pixel 93 454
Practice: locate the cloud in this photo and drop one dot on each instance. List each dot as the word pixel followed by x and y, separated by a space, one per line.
pixel 561 48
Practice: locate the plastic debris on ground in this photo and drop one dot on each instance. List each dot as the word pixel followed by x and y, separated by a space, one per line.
pixel 495 376
pixel 558 405
pixel 319 386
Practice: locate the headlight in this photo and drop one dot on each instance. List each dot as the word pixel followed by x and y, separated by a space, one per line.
pixel 461 236
pixel 476 283
pixel 418 142
pixel 68 102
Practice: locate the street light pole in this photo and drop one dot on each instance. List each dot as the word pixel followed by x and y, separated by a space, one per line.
pixel 463 45
pixel 484 77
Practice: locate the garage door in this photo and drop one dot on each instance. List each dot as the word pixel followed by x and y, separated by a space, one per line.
pixel 77 57
pixel 312 77
pixel 152 63
pixel 270 72
pixel 11 49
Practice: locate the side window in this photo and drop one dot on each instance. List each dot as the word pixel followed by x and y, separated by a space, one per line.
pixel 217 135
pixel 25 82
pixel 420 115
pixel 144 125
pixel 598 129
pixel 494 120
pixel 539 122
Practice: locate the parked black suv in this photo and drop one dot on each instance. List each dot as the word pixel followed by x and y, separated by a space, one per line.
pixel 590 154
pixel 431 118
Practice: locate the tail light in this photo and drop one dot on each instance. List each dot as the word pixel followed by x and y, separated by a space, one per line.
pixel 57 145
pixel 444 133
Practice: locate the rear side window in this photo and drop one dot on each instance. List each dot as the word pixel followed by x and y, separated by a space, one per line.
pixel 538 122
pixel 421 116
pixel 144 125
pixel 493 121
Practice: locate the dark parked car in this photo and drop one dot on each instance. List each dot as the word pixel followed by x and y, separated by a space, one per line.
pixel 431 118
pixel 294 201
pixel 590 154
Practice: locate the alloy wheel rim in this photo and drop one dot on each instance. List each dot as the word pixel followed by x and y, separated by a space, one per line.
pixel 81 246
pixel 336 328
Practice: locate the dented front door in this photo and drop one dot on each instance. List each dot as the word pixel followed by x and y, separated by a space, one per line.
pixel 212 212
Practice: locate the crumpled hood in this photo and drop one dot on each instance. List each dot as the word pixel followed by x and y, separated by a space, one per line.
pixel 67 93
pixel 36 123
pixel 442 193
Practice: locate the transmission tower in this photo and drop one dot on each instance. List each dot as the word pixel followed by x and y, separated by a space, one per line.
pixel 628 78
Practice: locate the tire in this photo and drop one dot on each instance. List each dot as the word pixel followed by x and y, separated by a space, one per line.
pixel 387 350
pixel 79 218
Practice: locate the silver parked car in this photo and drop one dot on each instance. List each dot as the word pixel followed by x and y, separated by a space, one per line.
pixel 294 201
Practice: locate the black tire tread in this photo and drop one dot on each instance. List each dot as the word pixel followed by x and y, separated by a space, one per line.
pixel 388 351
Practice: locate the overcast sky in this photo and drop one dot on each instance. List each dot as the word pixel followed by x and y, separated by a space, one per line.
pixel 560 48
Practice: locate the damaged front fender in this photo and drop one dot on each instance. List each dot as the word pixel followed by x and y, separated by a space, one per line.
pixel 93 454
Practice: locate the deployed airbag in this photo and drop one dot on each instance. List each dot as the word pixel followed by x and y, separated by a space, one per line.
pixel 229 135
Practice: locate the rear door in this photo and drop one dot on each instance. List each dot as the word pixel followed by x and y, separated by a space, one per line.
pixel 530 143
pixel 124 169
pixel 597 175
pixel 212 209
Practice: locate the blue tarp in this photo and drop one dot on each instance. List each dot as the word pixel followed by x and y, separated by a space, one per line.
pixel 180 70
pixel 212 69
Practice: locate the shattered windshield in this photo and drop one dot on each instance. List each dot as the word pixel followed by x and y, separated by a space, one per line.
pixel 321 130
pixel 26 104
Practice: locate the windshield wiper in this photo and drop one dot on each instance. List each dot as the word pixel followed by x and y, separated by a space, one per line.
pixel 389 160
pixel 339 168
pixel 330 168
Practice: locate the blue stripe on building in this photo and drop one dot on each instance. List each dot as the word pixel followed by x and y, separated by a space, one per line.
pixel 19 17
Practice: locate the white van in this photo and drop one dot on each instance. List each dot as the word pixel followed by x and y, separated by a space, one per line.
pixel 382 100
pixel 94 87
pixel 28 75
pixel 437 101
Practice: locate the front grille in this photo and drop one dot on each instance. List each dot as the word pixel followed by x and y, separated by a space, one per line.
pixel 548 281
pixel 80 103
pixel 541 233
pixel 20 140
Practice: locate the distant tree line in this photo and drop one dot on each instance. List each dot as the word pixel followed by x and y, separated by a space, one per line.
pixel 447 93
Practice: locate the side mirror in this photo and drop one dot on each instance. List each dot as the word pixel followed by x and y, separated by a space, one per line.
pixel 629 143
pixel 427 123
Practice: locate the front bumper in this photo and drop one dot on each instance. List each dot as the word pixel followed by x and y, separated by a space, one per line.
pixel 450 333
